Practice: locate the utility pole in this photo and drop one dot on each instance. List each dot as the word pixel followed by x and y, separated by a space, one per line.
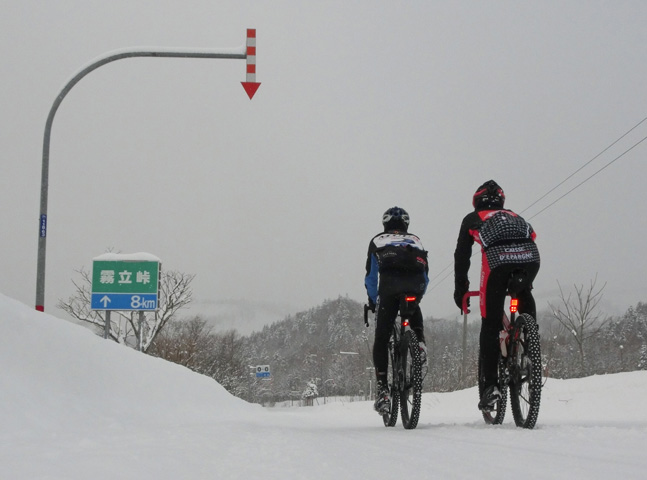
pixel 247 52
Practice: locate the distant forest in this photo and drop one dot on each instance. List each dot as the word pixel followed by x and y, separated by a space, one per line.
pixel 326 351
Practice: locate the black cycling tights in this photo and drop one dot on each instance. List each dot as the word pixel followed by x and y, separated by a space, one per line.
pixel 491 325
pixel 386 313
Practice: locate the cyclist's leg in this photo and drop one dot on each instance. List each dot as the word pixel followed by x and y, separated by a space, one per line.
pixel 495 286
pixel 384 317
pixel 417 325
pixel 526 300
pixel 414 284
pixel 385 313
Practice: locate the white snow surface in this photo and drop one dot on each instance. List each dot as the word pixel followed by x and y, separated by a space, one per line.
pixel 127 257
pixel 75 406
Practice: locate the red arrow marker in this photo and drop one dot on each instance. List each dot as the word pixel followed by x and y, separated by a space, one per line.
pixel 251 85
pixel 250 88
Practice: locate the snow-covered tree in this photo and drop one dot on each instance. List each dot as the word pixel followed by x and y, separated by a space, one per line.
pixel 310 393
pixel 642 362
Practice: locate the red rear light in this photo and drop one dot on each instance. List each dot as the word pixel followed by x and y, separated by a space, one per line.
pixel 405 323
pixel 514 303
pixel 410 299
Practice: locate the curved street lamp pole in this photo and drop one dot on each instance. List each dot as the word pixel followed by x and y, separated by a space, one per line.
pixel 247 52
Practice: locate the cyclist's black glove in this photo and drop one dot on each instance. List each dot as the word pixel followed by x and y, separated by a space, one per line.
pixel 458 299
pixel 467 306
pixel 371 305
pixel 459 293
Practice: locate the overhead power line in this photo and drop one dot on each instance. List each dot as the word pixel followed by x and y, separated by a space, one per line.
pixel 579 169
pixel 557 186
pixel 590 177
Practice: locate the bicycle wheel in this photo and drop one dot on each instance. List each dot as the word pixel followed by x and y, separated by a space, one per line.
pixel 411 392
pixel 525 380
pixel 497 414
pixel 391 418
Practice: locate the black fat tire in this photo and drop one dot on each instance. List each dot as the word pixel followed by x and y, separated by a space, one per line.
pixel 497 414
pixel 411 392
pixel 391 418
pixel 525 381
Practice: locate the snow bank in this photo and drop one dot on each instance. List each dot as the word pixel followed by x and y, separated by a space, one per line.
pixel 51 366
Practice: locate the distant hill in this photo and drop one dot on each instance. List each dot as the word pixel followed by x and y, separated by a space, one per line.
pixel 244 316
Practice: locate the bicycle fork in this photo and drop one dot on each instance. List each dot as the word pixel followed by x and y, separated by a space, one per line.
pixel 508 327
pixel 508 337
pixel 510 341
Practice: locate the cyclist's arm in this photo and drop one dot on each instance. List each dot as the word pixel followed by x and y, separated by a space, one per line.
pixel 463 253
pixel 426 280
pixel 426 277
pixel 371 278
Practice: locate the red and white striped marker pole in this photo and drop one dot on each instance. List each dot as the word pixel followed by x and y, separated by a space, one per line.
pixel 250 85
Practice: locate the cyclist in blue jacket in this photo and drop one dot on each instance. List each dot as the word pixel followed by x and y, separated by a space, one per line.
pixel 385 281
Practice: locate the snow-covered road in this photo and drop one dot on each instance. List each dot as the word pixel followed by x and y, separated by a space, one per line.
pixel 73 406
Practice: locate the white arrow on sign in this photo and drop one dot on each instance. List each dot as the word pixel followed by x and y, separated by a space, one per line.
pixel 105 300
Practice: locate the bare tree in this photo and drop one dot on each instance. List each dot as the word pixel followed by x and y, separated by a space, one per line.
pixel 186 342
pixel 580 315
pixel 175 293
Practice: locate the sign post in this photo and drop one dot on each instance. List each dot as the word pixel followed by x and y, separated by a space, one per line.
pixel 106 326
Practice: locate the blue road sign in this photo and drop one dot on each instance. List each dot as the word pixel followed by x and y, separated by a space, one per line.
pixel 124 301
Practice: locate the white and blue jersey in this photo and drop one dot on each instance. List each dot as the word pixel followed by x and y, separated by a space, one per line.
pixel 373 278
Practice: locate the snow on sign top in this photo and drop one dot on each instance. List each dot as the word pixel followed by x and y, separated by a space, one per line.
pixel 127 257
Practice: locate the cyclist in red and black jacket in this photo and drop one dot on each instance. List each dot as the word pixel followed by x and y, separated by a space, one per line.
pixel 508 244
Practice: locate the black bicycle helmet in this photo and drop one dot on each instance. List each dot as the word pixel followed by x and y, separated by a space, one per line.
pixel 395 218
pixel 488 195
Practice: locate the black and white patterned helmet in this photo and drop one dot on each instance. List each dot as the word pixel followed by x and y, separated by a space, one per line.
pixel 395 218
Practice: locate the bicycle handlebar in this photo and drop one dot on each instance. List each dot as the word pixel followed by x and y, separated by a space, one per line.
pixel 467 295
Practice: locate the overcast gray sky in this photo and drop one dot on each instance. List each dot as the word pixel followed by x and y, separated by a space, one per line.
pixel 363 105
